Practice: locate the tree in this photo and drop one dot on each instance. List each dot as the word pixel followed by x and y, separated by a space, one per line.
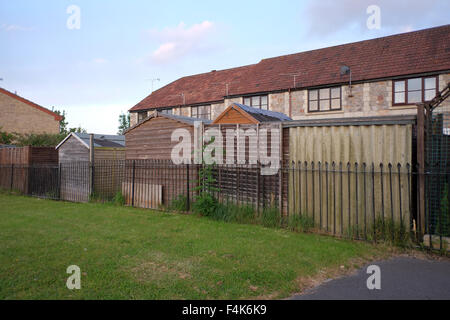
pixel 39 140
pixel 124 123
pixel 77 130
pixel 63 129
pixel 62 123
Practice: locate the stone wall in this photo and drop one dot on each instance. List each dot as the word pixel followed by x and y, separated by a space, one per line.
pixel 363 100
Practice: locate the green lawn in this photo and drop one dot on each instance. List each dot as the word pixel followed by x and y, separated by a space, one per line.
pixel 128 253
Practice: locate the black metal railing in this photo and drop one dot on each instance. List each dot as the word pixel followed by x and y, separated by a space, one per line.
pixel 364 201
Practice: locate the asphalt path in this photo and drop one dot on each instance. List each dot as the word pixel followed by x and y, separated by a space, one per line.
pixel 400 278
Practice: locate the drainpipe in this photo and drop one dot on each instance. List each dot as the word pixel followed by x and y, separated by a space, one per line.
pixel 290 103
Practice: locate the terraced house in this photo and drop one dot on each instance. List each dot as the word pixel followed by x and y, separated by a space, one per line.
pixel 383 76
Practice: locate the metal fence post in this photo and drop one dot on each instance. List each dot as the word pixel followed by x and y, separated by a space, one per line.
pixel 188 202
pixel 12 176
pixel 132 183
pixel 59 181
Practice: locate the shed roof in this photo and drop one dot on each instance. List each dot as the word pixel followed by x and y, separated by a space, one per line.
pixel 183 119
pixel 100 140
pixel 258 115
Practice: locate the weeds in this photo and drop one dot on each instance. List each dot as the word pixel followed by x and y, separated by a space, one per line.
pixel 119 199
pixel 179 204
pixel 300 223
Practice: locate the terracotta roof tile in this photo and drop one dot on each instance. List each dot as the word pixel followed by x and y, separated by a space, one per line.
pixel 408 53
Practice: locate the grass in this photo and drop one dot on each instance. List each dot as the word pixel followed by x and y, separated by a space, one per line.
pixel 129 253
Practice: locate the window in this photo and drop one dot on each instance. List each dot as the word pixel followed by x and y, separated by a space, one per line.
pixel 142 116
pixel 201 112
pixel 416 90
pixel 166 111
pixel 327 99
pixel 261 102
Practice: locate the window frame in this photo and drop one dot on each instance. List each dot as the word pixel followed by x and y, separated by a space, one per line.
pixel 329 99
pixel 166 110
pixel 201 106
pixel 143 118
pixel 405 82
pixel 260 101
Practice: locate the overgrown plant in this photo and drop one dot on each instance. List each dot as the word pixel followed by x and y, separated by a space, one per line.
pixel 270 217
pixel 119 199
pixel 205 202
pixel 179 204
pixel 300 223
pixel 389 231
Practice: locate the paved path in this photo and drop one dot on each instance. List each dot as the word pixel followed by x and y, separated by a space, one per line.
pixel 401 278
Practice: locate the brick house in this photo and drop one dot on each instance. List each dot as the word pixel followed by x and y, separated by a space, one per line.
pixel 389 75
pixel 22 116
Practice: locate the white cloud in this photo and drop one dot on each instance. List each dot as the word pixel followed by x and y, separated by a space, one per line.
pixel 328 17
pixel 14 27
pixel 181 40
pixel 100 61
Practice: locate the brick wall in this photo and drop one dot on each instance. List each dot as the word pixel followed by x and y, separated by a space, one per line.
pixel 17 116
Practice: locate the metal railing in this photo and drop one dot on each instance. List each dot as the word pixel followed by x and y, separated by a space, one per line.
pixel 361 201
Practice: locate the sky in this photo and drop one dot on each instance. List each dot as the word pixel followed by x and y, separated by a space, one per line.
pixel 96 58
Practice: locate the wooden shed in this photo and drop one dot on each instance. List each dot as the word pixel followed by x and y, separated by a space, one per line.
pixel 77 177
pixel 151 138
pixel 76 147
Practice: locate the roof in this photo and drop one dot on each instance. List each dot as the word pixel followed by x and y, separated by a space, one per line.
pixel 403 54
pixel 100 140
pixel 187 120
pixel 258 115
pixel 7 146
pixel 263 115
pixel 32 104
pixel 205 87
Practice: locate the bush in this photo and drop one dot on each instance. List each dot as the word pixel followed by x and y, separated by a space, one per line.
pixel 39 140
pixel 205 204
